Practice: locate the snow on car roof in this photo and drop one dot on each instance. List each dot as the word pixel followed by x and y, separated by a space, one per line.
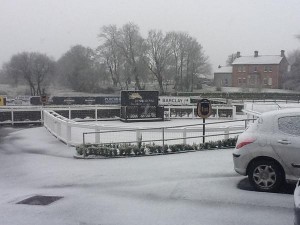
pixel 284 111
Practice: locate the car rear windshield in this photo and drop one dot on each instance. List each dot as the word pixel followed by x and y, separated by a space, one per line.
pixel 289 125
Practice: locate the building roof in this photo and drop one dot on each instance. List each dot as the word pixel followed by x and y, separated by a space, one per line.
pixel 259 60
pixel 224 69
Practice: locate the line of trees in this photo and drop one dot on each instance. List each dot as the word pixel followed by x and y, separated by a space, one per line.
pixel 123 59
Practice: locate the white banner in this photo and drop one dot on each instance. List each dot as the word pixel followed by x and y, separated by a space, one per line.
pixel 173 100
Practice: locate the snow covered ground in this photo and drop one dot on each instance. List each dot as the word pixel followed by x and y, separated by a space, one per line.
pixel 193 188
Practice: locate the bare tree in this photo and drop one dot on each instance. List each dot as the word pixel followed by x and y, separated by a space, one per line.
pixel 196 63
pixel 133 48
pixel 110 54
pixel 178 45
pixel 230 59
pixel 33 68
pixel 292 79
pixel 42 67
pixel 189 59
pixel 77 69
pixel 158 53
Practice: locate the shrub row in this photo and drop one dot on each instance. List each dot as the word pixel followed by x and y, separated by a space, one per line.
pixel 128 150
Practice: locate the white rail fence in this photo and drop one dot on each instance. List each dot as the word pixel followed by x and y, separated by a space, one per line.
pixel 33 114
pixel 74 133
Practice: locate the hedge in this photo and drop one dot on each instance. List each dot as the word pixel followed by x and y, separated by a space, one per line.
pixel 133 150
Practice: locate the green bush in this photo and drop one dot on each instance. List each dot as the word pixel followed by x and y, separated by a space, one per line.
pixel 114 150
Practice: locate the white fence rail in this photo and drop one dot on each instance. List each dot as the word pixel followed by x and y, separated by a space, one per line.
pixel 74 133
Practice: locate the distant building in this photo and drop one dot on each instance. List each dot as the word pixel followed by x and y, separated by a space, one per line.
pixel 265 71
pixel 223 76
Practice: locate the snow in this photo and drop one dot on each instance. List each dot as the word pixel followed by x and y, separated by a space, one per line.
pixel 266 107
pixel 259 60
pixel 223 69
pixel 156 132
pixel 192 188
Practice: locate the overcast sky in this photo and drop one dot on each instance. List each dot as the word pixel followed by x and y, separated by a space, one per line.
pixel 221 26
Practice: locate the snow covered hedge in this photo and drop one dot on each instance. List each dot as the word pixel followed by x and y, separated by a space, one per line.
pixel 129 150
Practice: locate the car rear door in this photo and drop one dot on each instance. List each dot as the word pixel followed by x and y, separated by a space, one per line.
pixel 286 141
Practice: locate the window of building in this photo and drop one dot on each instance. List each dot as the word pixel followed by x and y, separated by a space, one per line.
pixel 244 68
pixel 244 80
pixel 265 81
pixel 225 82
pixel 239 81
pixel 255 69
pixel 270 81
pixel 266 69
pixel 270 68
pixel 239 68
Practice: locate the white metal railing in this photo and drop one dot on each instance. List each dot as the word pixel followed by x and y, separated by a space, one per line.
pixel 74 133
pixel 7 113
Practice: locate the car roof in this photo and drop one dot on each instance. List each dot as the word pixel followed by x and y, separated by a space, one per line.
pixel 284 111
pixel 269 117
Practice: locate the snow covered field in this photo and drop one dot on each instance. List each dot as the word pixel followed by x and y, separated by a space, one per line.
pixel 193 188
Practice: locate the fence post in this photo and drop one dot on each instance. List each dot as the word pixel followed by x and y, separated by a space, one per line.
pixel 138 136
pixel 42 115
pixel 97 135
pixel 226 133
pixel 193 113
pixel 233 112
pixel 184 136
pixel 69 113
pixel 163 135
pixel 12 116
pixel 96 113
pixel 69 133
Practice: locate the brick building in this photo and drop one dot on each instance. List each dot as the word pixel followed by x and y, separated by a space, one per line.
pixel 265 71
pixel 223 76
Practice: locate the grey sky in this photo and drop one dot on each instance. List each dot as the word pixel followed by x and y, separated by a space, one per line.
pixel 221 26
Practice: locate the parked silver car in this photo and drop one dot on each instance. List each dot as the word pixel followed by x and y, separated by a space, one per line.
pixel 268 152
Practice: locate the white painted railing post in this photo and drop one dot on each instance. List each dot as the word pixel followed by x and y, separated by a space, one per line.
pixel 97 135
pixel 193 117
pixel 42 116
pixel 217 112
pixel 233 112
pixel 69 133
pixel 12 116
pixel 96 113
pixel 138 136
pixel 226 133
pixel 184 136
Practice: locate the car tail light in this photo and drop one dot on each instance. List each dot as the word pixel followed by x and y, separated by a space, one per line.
pixel 244 142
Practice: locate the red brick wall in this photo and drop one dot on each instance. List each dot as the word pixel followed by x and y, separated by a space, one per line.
pixel 249 69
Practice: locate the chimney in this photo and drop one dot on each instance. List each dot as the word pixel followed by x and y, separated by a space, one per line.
pixel 282 53
pixel 219 66
pixel 238 54
pixel 255 53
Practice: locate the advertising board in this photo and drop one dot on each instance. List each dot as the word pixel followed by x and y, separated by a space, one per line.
pixel 139 98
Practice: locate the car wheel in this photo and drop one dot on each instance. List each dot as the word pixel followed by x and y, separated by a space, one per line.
pixel 265 175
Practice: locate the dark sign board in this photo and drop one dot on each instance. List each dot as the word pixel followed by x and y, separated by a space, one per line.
pixel 204 109
pixel 139 98
pixel 99 100
pixel 35 100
